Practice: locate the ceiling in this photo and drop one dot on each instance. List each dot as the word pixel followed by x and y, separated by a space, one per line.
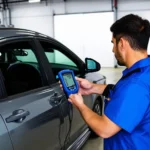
pixel 5 3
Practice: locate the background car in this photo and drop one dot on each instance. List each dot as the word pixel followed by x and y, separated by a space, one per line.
pixel 34 112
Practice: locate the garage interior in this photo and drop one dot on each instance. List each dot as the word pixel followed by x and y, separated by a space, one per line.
pixel 82 25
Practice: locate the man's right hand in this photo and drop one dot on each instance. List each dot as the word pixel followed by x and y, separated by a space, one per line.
pixel 85 87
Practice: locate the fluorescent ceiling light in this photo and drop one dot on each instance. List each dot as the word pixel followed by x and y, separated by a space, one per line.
pixel 34 1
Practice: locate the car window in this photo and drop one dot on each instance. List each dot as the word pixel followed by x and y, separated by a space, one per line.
pixel 20 67
pixel 58 59
pixel 30 57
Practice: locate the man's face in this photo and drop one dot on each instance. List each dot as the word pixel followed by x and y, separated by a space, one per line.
pixel 117 52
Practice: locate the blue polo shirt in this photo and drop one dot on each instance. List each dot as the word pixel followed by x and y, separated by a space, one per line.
pixel 129 108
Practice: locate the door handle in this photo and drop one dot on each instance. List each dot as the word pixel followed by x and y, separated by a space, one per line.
pixel 56 99
pixel 17 116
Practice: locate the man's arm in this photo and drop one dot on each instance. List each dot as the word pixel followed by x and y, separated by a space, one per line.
pixel 101 125
pixel 98 88
pixel 86 87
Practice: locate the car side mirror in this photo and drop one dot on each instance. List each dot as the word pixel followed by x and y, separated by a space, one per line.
pixel 92 65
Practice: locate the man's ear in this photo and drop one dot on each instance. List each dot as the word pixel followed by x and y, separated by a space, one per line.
pixel 122 43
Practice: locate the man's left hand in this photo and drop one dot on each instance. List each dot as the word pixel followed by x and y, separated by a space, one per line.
pixel 76 99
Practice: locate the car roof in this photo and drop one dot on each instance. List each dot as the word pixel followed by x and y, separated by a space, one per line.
pixel 16 32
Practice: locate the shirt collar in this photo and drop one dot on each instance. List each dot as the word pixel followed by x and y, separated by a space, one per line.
pixel 141 63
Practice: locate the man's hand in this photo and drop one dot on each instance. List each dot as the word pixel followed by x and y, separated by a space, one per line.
pixel 85 87
pixel 76 99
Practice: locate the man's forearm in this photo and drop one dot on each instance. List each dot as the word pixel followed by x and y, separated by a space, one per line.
pixel 94 121
pixel 98 88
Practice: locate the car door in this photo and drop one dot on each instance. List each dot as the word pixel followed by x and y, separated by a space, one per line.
pixel 5 141
pixel 61 58
pixel 34 117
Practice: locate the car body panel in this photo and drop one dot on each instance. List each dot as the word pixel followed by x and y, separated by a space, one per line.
pixel 5 142
pixel 42 122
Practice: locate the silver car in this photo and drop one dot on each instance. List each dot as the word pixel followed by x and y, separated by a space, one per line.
pixel 34 112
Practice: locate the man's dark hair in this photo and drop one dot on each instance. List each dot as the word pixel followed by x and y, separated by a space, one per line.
pixel 134 29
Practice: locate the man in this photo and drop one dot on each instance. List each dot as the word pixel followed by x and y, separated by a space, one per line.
pixel 125 124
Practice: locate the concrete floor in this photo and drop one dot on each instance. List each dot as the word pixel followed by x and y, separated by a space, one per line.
pixel 112 76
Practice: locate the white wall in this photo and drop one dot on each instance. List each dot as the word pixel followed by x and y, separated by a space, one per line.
pixel 87 35
pixel 141 8
pixel 39 17
pixel 133 5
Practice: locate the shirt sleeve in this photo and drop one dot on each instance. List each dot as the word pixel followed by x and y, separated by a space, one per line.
pixel 127 105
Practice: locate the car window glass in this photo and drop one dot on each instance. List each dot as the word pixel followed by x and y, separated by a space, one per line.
pixel 58 59
pixel 30 57
pixel 20 68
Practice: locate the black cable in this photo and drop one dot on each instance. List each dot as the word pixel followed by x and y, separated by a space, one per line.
pixel 61 111
pixel 70 121
pixel 70 116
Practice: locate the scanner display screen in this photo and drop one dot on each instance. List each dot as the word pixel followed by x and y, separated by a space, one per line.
pixel 68 80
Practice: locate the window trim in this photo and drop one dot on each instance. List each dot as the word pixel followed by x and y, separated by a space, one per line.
pixel 23 94
pixel 45 63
